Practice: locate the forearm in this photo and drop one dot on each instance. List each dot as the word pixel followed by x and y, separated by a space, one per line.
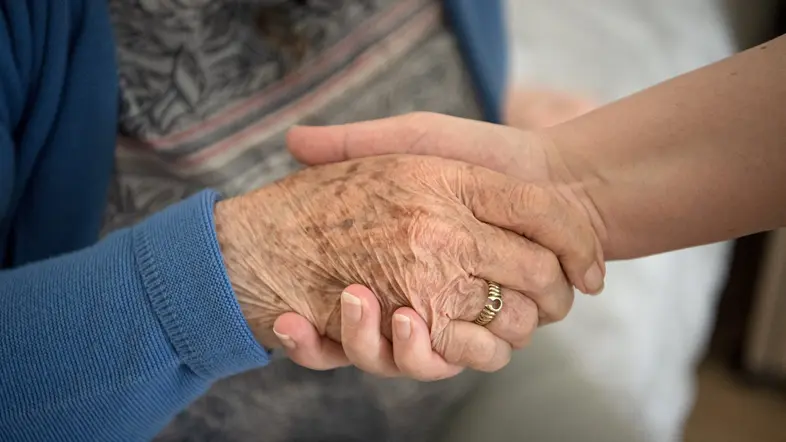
pixel 109 342
pixel 697 159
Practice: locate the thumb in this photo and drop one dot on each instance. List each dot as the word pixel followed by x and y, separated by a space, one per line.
pixel 419 133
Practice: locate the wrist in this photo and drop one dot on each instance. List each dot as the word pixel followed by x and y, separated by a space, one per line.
pixel 259 304
pixel 579 180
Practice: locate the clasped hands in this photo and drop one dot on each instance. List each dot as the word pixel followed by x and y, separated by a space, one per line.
pixel 380 254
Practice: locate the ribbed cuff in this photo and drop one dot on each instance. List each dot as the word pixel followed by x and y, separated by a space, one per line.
pixel 183 272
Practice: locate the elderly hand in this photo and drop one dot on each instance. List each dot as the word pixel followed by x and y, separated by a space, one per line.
pixel 517 153
pixel 418 232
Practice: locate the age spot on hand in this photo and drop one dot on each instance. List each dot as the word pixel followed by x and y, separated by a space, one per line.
pixel 347 224
pixel 353 168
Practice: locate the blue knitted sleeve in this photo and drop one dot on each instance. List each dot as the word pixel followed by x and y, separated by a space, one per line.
pixel 109 342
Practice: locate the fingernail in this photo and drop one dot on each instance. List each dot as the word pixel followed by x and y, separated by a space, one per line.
pixel 286 341
pixel 593 280
pixel 351 307
pixel 403 326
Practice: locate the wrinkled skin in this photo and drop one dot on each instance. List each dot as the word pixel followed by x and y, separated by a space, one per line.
pixel 528 156
pixel 405 226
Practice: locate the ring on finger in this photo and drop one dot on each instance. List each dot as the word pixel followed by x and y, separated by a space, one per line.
pixel 492 307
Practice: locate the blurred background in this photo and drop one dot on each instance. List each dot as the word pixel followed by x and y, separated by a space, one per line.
pixel 684 346
pixel 689 345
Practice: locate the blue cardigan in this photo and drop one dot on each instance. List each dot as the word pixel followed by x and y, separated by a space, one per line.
pixel 109 340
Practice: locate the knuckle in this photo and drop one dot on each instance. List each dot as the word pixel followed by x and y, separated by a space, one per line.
pixel 558 315
pixel 520 321
pixel 466 249
pixel 427 232
pixel 546 271
pixel 529 318
pixel 449 237
pixel 471 293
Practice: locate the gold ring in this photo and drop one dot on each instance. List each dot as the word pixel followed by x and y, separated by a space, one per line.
pixel 493 306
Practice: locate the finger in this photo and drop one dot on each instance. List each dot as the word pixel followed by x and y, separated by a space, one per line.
pixel 468 345
pixel 305 346
pixel 518 264
pixel 538 213
pixel 514 323
pixel 361 337
pixel 419 133
pixel 413 352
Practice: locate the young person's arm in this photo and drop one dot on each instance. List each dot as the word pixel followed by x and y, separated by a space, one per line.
pixel 697 159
